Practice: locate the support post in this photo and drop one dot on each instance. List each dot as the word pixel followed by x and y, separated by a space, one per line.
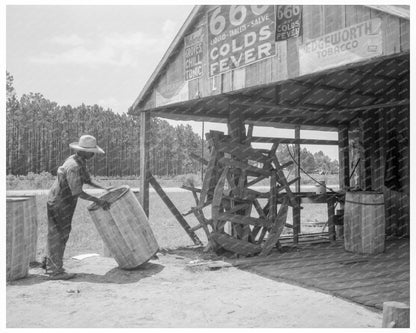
pixel 296 210
pixel 367 130
pixel 237 132
pixel 344 161
pixel 144 160
pixel 396 315
pixel 331 217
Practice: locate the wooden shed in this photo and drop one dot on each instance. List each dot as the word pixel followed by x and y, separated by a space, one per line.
pixel 343 68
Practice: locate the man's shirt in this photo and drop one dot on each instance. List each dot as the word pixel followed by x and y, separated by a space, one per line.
pixel 68 184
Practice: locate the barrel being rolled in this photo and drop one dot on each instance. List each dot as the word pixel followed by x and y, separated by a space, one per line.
pixel 124 228
pixel 33 224
pixel 18 237
pixel 364 222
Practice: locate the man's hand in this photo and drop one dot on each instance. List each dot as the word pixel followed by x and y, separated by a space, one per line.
pixel 103 204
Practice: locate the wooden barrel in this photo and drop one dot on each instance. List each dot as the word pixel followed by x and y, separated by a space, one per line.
pixel 364 222
pixel 18 222
pixel 124 228
pixel 33 225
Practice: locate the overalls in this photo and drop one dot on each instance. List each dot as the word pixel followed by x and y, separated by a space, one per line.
pixel 62 201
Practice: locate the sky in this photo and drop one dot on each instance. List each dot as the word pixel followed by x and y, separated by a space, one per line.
pixel 100 54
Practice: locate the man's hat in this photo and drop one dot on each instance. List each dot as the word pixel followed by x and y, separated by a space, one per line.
pixel 87 143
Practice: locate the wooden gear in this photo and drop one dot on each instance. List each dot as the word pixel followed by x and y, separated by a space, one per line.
pixel 226 191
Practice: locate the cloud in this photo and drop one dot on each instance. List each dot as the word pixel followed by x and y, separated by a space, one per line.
pixel 71 40
pixel 170 29
pixel 110 103
pixel 114 49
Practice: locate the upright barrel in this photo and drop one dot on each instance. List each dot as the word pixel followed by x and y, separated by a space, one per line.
pixel 124 228
pixel 18 221
pixel 33 224
pixel 364 222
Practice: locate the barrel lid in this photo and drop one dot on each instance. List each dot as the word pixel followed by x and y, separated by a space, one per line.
pixel 111 196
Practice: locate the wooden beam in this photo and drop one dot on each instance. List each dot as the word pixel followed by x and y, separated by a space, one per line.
pixel 198 158
pixel 367 133
pixel 243 166
pixel 344 161
pixel 294 141
pixel 379 106
pixel 173 209
pixel 296 210
pixel 236 128
pixel 331 217
pixel 396 315
pixel 144 160
pixel 235 245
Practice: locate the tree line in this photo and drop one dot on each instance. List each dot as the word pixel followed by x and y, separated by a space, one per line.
pixel 38 133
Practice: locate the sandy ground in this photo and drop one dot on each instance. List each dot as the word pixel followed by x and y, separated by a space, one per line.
pixel 173 291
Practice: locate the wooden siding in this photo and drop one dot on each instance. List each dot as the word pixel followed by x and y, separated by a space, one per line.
pixel 317 21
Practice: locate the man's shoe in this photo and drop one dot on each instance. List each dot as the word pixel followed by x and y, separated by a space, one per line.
pixel 61 276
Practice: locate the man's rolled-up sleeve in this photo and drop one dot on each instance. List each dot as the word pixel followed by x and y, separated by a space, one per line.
pixel 74 180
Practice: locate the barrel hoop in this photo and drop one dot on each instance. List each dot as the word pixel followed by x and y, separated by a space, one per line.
pixel 111 196
pixel 364 203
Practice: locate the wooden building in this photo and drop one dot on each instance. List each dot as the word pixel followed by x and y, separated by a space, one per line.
pixel 328 68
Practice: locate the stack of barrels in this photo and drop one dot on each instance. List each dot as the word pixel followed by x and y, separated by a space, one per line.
pixel 21 235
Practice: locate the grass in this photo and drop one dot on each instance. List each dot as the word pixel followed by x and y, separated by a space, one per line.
pixel 84 237
pixel 45 180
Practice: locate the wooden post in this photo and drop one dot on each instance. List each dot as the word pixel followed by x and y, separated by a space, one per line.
pixel 396 315
pixel 296 210
pixel 237 132
pixel 367 131
pixel 331 217
pixel 144 160
pixel 236 128
pixel 344 161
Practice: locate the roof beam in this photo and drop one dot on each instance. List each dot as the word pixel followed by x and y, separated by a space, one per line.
pixel 294 141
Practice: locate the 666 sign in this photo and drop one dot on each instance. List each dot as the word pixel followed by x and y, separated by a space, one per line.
pixel 239 36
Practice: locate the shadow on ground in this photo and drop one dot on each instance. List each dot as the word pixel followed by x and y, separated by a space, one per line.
pixel 115 275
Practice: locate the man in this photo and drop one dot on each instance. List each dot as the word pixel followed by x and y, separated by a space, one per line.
pixel 62 200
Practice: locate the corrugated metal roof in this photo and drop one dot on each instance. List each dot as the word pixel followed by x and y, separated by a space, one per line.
pixel 402 11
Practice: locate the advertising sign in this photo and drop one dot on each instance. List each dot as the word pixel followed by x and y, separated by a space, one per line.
pixel 288 22
pixel 193 55
pixel 239 36
pixel 354 43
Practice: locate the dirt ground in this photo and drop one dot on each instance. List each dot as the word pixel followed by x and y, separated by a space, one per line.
pixel 176 290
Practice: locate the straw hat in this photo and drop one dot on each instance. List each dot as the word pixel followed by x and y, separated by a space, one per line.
pixel 87 143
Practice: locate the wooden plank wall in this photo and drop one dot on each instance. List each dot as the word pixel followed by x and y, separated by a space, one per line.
pixel 317 20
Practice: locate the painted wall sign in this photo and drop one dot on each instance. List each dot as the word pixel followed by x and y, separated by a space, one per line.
pixel 239 36
pixel 356 42
pixel 193 55
pixel 288 22
pixel 173 93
